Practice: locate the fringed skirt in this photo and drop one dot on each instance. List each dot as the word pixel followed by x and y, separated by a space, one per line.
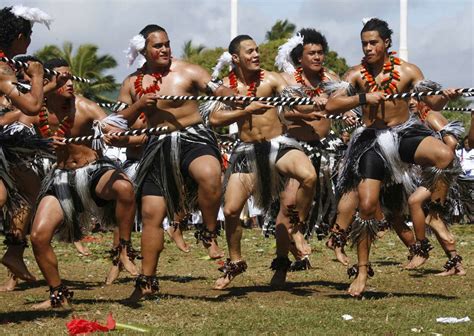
pixel 161 165
pixel 259 159
pixel 20 149
pixel 75 191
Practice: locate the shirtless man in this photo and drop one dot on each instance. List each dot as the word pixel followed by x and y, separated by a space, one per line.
pixel 373 80
pixel 265 157
pixel 83 183
pixel 15 37
pixel 436 198
pixel 303 123
pixel 181 170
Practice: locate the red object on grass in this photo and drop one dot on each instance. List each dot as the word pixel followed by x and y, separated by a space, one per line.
pixel 81 326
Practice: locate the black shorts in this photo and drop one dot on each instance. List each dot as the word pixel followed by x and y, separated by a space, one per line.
pixel 189 152
pixel 410 139
pixel 371 166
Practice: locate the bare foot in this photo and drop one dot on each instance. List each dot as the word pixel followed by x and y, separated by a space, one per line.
pixel 341 256
pixel 457 270
pixel 83 250
pixel 415 262
pixel 213 250
pixel 10 283
pixel 301 243
pixel 127 263
pixel 13 260
pixel 145 286
pixel 113 273
pixel 222 283
pixel 45 305
pixel 177 236
pixel 139 293
pixel 357 287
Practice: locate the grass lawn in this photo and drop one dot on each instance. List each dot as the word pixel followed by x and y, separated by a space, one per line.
pixel 397 302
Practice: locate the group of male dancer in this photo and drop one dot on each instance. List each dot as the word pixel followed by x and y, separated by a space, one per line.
pixel 55 187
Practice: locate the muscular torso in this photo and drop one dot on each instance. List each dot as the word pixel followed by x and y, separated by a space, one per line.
pixel 391 112
pixel 174 114
pixel 259 127
pixel 307 130
pixel 74 156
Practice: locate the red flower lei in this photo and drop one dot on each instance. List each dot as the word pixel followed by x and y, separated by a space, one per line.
pixel 388 83
pixel 140 90
pixel 252 88
pixel 308 89
pixel 65 125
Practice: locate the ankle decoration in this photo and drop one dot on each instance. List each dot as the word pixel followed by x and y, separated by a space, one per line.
pixel 280 264
pixel 294 217
pixel 384 225
pixel 362 228
pixel 233 268
pixel 181 224
pixel 58 294
pixel 147 281
pixel 300 265
pixel 421 248
pixel 338 236
pixel 438 207
pixel 206 236
pixel 431 175
pixel 114 255
pixel 354 270
pixel 131 252
pixel 12 239
pixel 452 262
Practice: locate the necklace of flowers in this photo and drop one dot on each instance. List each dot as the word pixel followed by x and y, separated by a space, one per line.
pixel 252 88
pixel 140 90
pixel 309 89
pixel 388 83
pixel 64 126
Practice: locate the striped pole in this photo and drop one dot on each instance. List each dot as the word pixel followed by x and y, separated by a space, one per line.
pixel 19 64
pixel 423 94
pixel 115 107
pixel 147 131
pixel 458 109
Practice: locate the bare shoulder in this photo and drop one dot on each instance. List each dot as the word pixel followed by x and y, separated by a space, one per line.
pixel 88 106
pixel 6 71
pixel 187 68
pixel 353 74
pixel 331 74
pixel 410 68
pixel 274 76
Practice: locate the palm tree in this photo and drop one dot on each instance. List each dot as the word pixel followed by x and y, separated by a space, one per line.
pixel 190 50
pixel 87 64
pixel 280 30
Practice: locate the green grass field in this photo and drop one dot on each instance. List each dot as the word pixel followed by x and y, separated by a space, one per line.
pixel 397 302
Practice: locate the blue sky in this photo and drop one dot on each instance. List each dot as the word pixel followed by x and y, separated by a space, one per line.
pixel 440 32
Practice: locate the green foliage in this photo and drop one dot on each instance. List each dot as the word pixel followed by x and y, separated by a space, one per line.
pixel 207 58
pixel 280 30
pixel 85 63
pixel 190 50
pixel 462 116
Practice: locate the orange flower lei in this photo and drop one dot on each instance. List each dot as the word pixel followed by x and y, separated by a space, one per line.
pixel 252 88
pixel 388 83
pixel 308 89
pixel 65 125
pixel 140 90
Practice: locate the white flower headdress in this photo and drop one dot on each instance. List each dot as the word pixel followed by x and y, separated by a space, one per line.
pixel 283 59
pixel 224 60
pixel 32 14
pixel 135 46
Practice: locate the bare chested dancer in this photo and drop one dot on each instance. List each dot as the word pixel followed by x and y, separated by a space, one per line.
pixel 366 170
pixel 181 170
pixel 259 162
pixel 15 37
pixel 436 198
pixel 83 183
pixel 304 124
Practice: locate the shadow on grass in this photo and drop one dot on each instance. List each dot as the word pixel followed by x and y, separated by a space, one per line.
pixel 181 279
pixel 72 284
pixel 386 263
pixel 31 315
pixel 383 295
pixel 420 273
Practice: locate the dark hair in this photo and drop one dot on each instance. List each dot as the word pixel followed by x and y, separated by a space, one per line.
pixel 55 63
pixel 310 36
pixel 381 27
pixel 151 28
pixel 234 45
pixel 11 27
